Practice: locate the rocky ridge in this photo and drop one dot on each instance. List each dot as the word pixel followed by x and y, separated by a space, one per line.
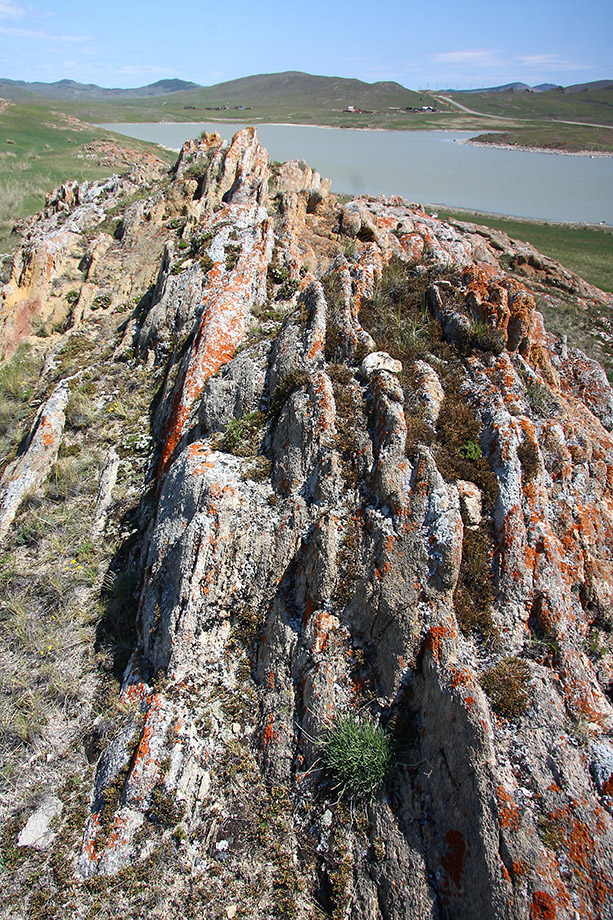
pixel 367 480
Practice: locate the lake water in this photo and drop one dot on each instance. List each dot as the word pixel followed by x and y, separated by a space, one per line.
pixel 428 166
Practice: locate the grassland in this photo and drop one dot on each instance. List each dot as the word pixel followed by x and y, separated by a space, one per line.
pixel 569 122
pixel 41 147
pixel 590 106
pixel 565 138
pixel 291 96
pixel 585 250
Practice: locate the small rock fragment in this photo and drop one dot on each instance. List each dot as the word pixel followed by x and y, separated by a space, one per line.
pixel 470 503
pixel 37 832
pixel 380 361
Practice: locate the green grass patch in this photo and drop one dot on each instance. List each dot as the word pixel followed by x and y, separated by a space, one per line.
pixel 568 138
pixel 358 755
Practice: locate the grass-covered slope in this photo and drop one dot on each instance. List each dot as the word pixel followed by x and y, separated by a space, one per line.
pixel 41 147
pixel 291 96
pixel 591 106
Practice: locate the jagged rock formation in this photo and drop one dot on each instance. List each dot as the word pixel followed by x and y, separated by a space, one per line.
pixel 376 484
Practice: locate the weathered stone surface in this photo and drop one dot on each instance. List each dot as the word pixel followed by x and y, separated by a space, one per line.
pixel 380 361
pixel 31 467
pixel 108 479
pixel 329 528
pixel 470 502
pixel 38 831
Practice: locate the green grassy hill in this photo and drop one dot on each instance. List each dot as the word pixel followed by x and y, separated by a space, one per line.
pixel 21 90
pixel 41 147
pixel 593 106
pixel 291 96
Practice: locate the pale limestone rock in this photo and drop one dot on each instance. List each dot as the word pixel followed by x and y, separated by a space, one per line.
pixel 470 502
pixel 104 498
pixel 30 469
pixel 38 831
pixel 380 361
pixel 428 391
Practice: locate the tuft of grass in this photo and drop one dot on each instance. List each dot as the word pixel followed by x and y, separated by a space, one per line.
pixel 528 455
pixel 506 684
pixel 474 595
pixel 233 252
pixel 358 755
pixel 291 382
pixel 243 436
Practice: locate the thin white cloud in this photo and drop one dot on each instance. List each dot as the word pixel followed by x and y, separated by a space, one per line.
pixel 477 58
pixel 547 61
pixel 10 10
pixel 42 36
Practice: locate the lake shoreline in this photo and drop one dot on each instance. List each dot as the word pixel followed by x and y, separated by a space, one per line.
pixel 553 151
pixel 556 151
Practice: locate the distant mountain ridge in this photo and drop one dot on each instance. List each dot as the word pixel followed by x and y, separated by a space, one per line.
pixel 277 90
pixel 541 88
pixel 72 90
pixel 289 83
pixel 285 83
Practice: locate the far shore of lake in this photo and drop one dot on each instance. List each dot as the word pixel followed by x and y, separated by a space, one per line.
pixel 557 151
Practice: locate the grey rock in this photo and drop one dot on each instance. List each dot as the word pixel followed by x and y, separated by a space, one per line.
pixel 380 361
pixel 38 831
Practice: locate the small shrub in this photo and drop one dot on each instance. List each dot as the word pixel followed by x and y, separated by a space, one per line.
pixel 243 436
pixel 206 263
pixel 541 399
pixel 470 450
pixel 474 594
pixel 288 289
pixel 232 254
pixel 101 302
pixel 278 273
pixel 358 755
pixel 506 684
pixel 528 456
pixel 259 471
pixel 293 381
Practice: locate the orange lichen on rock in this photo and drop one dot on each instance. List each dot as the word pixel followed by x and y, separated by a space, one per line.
pixel 227 304
pixel 508 811
pixel 543 906
pixel 269 734
pixel 434 640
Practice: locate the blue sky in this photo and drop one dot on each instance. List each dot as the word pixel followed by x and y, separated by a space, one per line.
pixel 436 43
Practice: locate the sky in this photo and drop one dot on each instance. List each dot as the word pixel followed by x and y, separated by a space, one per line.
pixel 436 44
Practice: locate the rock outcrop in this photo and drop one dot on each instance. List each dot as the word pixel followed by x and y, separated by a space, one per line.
pixel 374 484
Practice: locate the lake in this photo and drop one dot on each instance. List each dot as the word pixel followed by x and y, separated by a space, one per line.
pixel 428 166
